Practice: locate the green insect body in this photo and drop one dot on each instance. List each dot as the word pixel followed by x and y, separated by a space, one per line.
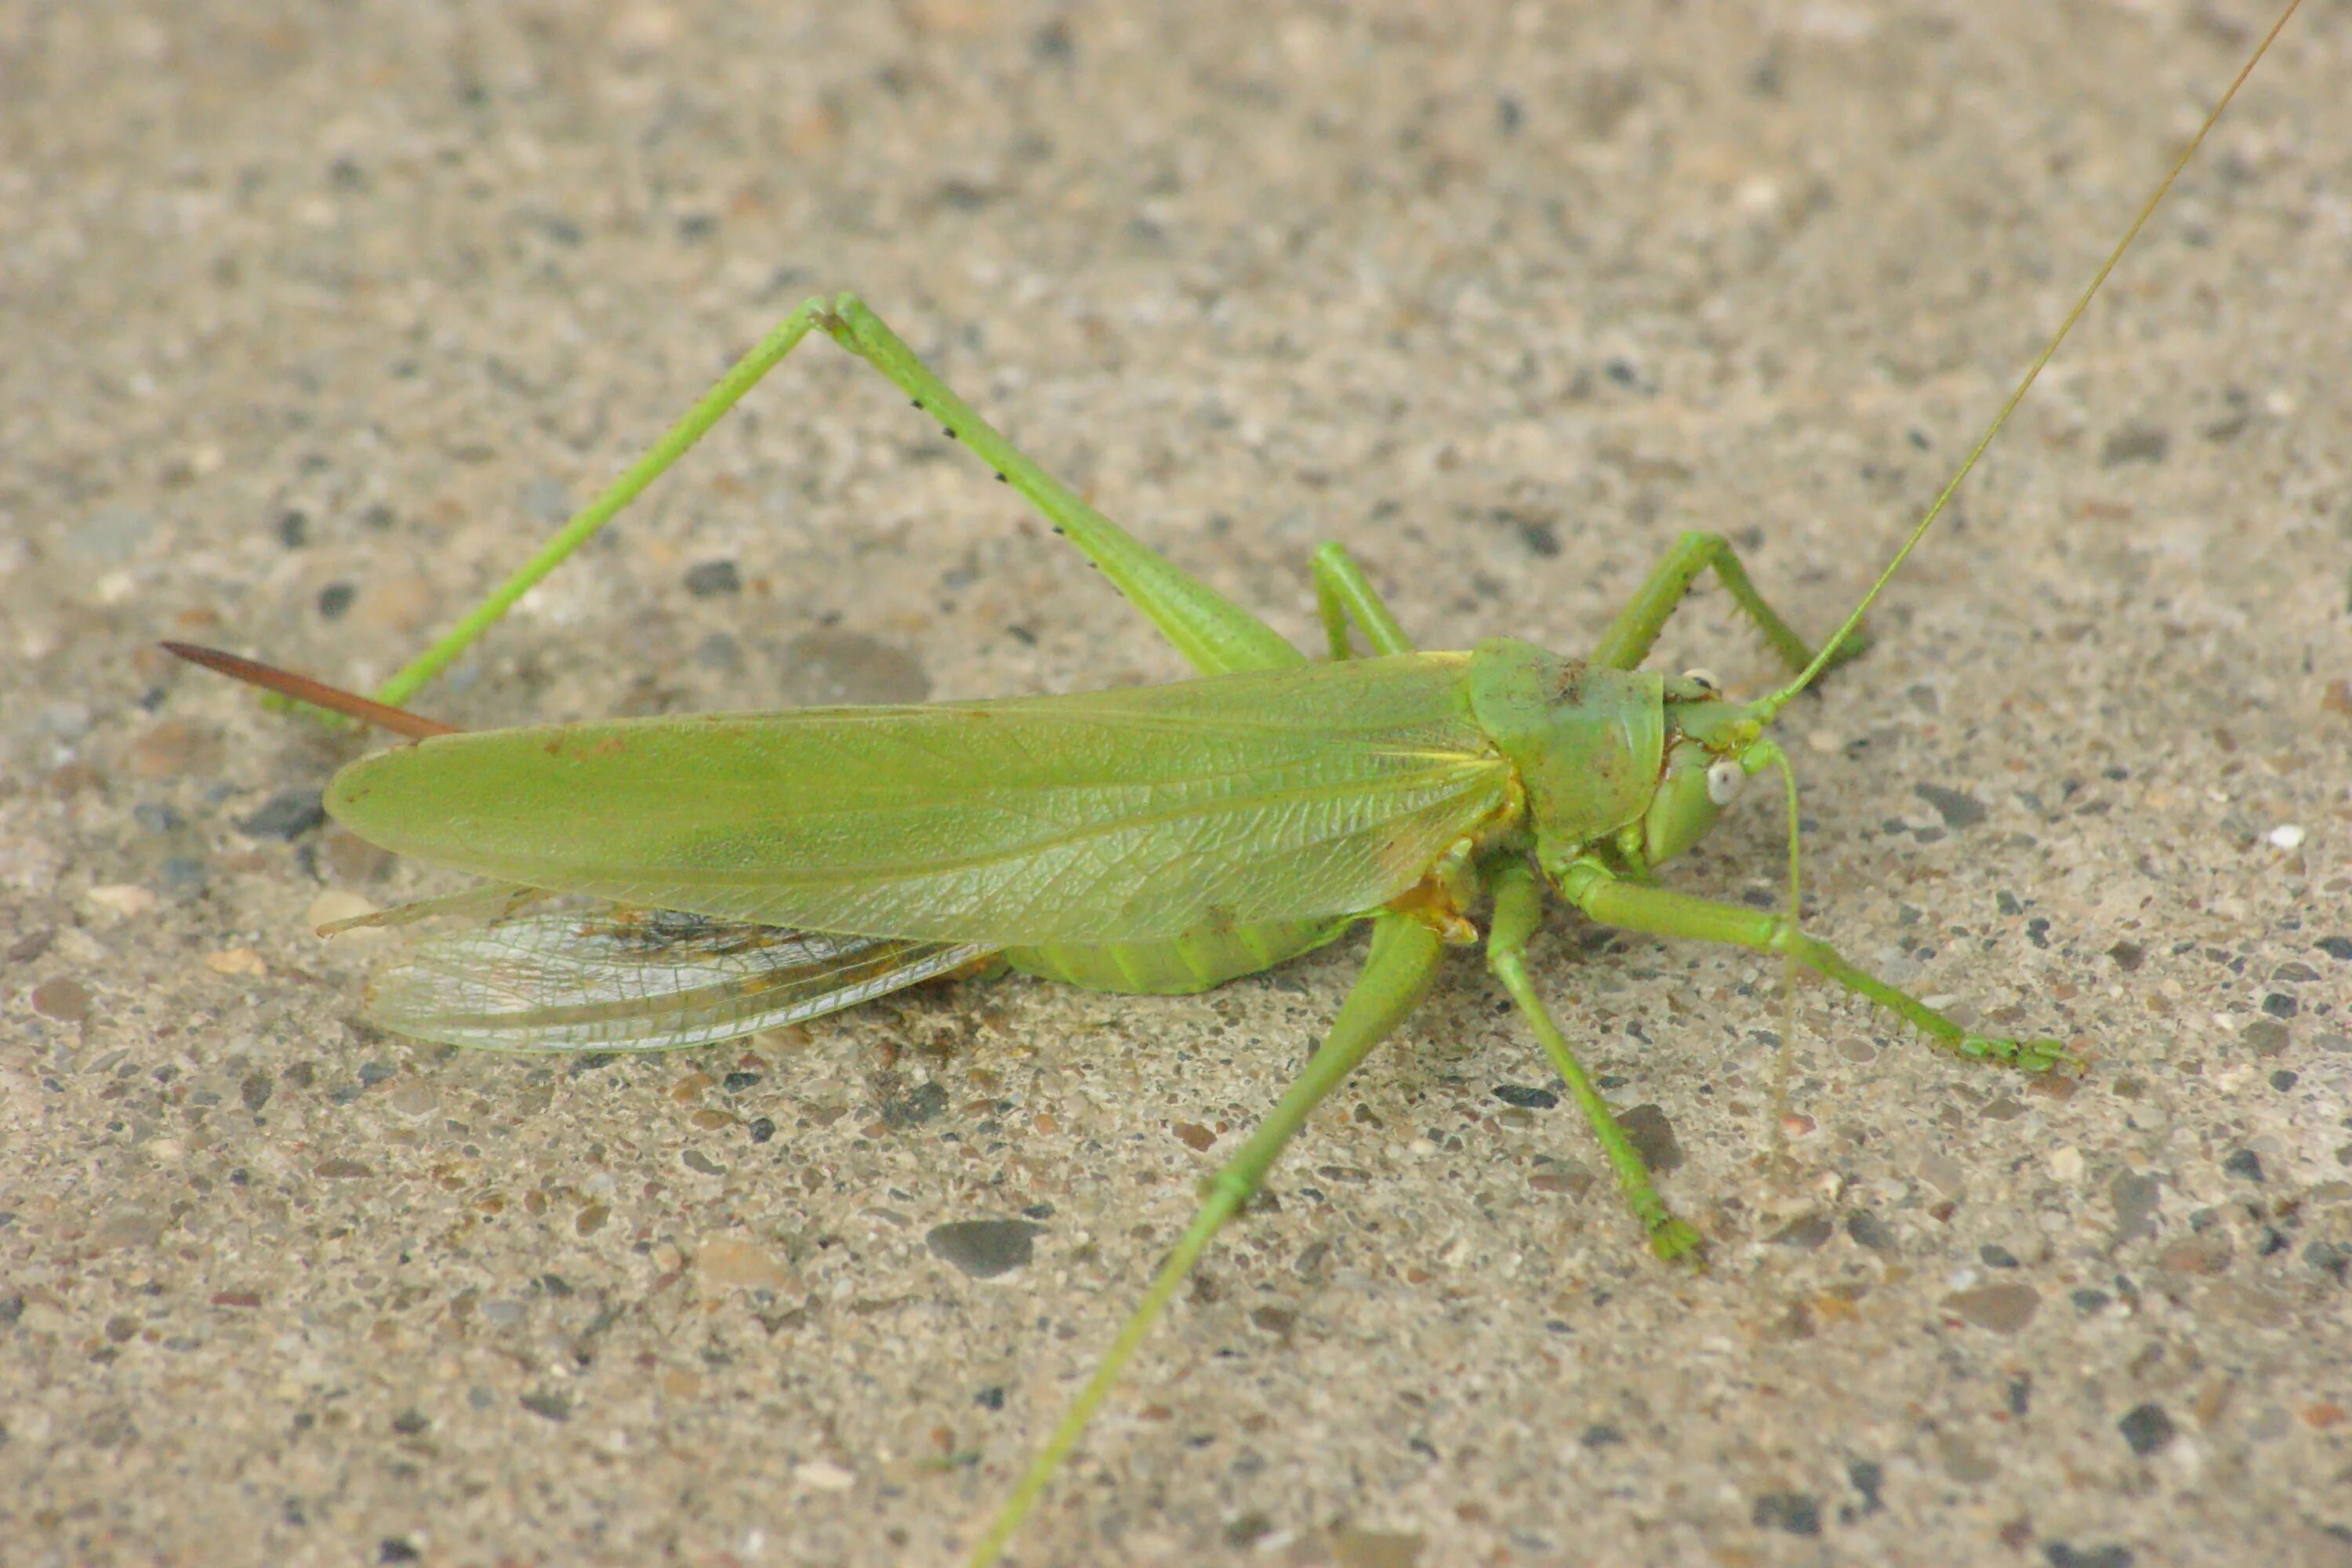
pixel 755 868
pixel 746 870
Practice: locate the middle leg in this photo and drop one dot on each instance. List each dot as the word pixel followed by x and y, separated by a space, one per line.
pixel 1343 593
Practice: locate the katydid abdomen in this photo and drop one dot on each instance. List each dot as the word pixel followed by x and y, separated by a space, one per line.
pixel 1194 961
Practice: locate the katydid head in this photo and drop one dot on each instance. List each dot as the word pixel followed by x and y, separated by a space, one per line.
pixel 1712 746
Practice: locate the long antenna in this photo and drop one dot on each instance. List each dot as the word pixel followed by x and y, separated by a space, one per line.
pixel 1771 705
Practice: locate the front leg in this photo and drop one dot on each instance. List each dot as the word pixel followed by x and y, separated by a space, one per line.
pixel 1660 911
pixel 1519 906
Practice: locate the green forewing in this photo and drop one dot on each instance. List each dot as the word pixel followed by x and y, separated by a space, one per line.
pixel 1112 817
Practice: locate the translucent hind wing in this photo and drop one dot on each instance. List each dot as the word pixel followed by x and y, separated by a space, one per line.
pixel 617 979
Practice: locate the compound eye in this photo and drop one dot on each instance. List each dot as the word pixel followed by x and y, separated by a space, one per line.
pixel 1705 679
pixel 1723 781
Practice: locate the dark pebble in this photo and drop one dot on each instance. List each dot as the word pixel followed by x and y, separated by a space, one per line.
pixel 1996 1256
pixel 409 1423
pixel 2146 1429
pixel 2283 1080
pixel 2279 1004
pixel 2134 443
pixel 2336 946
pixel 2089 1301
pixel 1602 1436
pixel 2244 1162
pixel 1526 1097
pixel 990 1398
pixel 763 1130
pixel 393 1549
pixel 2329 1258
pixel 1652 1137
pixel 1796 1513
pixel 294 530
pixel 289 815
pixel 709 579
pixel 984 1249
pixel 553 1406
pixel 835 665
pixel 2058 1555
pixel 1041 1209
pixel 736 1081
pixel 335 598
pixel 1958 807
pixel 2264 1036
pixel 1868 1230
pixel 2134 1197
pixel 1868 1476
pixel 1805 1232
pixel 2129 956
pixel 374 1073
pixel 1248 1530
pixel 921 1104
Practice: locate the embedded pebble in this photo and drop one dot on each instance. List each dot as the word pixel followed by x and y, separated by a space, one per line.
pixel 820 1476
pixel 1652 1137
pixel 984 1249
pixel 2003 1308
pixel 288 814
pixel 2146 1428
pixel 127 900
pixel 2287 835
pixel 67 1001
pixel 1956 807
pixel 1798 1513
pixel 1804 1233
pixel 728 1262
pixel 176 748
pixel 711 579
pixel 823 668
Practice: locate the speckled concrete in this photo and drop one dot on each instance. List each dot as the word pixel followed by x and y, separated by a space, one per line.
pixel 315 317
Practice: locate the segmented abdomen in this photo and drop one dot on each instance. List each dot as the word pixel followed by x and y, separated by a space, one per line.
pixel 1179 966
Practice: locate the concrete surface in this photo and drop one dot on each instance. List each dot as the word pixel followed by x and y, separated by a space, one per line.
pixel 316 316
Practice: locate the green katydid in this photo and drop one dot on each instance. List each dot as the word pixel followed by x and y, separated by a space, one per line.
pixel 756 870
